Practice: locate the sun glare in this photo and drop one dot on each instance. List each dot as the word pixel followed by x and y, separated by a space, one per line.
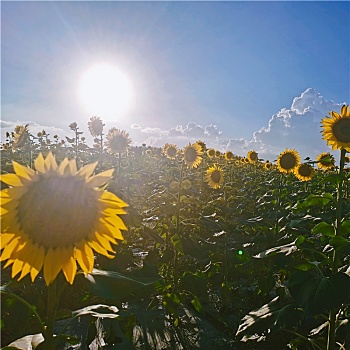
pixel 106 91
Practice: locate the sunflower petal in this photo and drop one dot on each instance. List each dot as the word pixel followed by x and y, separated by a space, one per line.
pixel 51 265
pixel 68 264
pixel 23 171
pixel 100 179
pixel 37 263
pixel 16 267
pixel 39 163
pixel 87 170
pixel 11 179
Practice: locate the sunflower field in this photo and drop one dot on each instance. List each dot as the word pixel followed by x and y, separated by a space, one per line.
pixel 113 246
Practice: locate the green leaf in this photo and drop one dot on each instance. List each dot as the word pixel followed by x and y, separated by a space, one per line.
pixel 324 228
pixel 171 302
pixel 177 242
pixel 197 305
pixel 314 200
pixel 116 286
pixel 273 314
pixel 345 228
pixel 316 293
pixel 339 243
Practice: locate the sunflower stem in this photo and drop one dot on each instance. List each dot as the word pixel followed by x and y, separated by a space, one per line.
pixel 51 315
pixel 333 312
pixel 29 306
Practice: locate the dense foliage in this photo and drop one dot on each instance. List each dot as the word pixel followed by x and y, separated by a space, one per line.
pixel 221 252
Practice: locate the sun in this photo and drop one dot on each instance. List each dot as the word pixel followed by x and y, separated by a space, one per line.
pixel 104 90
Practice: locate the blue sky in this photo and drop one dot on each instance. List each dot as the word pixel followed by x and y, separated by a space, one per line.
pixel 226 72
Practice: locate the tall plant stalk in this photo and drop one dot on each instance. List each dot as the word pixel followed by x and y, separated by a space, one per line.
pixel 333 312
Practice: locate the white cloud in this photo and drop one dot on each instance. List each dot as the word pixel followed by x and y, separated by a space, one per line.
pixel 135 126
pixel 34 128
pixel 297 127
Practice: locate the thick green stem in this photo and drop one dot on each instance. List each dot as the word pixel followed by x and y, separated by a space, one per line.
pixel 338 218
pixel 51 315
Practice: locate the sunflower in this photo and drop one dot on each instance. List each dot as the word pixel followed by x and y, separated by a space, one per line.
pixel 56 216
pixel 202 144
pixel 214 177
pixel 288 160
pixel 211 153
pixel 117 141
pixel 325 161
pixel 170 151
pixel 229 155
pixel 336 129
pixel 252 156
pixel 95 126
pixel 192 155
pixel 268 165
pixel 217 154
pixel 304 172
pixel 21 136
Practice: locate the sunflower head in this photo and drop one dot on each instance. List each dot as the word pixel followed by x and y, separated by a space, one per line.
pixel 21 136
pixel 95 126
pixel 252 156
pixel 325 161
pixel 211 152
pixel 304 172
pixel 192 155
pixel 214 176
pixel 217 154
pixel 202 144
pixel 288 160
pixel 268 165
pixel 229 155
pixel 170 151
pixel 336 129
pixel 117 141
pixel 57 216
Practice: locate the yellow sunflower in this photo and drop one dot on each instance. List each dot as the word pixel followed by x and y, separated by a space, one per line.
pixel 202 144
pixel 325 161
pixel 336 129
pixel 252 156
pixel 217 154
pixel 211 153
pixel 214 176
pixel 170 151
pixel 304 172
pixel 117 141
pixel 288 160
pixel 21 136
pixel 268 165
pixel 193 155
pixel 56 216
pixel 229 155
pixel 95 126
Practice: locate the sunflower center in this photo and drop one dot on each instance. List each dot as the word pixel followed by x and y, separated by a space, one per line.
pixel 118 143
pixel 341 130
pixel 215 176
pixel 253 156
pixel 305 170
pixel 190 155
pixel 171 151
pixel 288 161
pixel 58 211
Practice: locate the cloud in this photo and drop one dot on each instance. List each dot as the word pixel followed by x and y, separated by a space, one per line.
pixel 297 127
pixel 135 126
pixel 34 128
